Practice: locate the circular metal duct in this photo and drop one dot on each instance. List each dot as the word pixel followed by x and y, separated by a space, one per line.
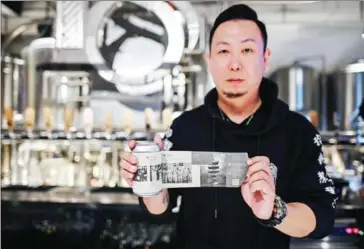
pixel 133 22
pixel 191 21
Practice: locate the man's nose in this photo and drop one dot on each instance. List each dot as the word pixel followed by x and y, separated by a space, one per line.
pixel 235 64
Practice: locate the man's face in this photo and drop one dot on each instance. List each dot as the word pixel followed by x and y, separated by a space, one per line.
pixel 237 60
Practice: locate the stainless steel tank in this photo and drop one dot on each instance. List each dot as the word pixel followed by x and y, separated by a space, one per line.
pixel 348 85
pixel 298 87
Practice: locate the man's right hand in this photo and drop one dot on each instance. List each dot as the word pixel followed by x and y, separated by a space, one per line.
pixel 155 204
pixel 129 162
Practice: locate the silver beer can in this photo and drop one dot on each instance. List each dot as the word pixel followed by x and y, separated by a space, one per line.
pixel 147 179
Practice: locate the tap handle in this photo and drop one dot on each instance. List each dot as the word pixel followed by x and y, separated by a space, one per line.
pixel 29 117
pixel 9 118
pixel 108 122
pixel 88 117
pixel 127 120
pixel 68 119
pixel 48 119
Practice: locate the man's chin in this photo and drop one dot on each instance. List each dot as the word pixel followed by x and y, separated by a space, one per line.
pixel 233 95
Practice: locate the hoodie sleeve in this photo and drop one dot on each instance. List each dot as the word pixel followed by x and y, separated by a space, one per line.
pixel 312 186
pixel 173 140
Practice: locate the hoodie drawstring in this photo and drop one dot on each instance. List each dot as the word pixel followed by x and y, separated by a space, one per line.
pixel 216 193
pixel 257 239
pixel 213 150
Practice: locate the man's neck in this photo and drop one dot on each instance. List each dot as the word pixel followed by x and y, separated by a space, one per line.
pixel 238 113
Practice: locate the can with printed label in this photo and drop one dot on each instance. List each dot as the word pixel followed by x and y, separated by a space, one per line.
pixel 148 178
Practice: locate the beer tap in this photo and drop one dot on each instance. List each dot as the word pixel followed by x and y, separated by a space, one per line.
pixel 29 118
pixel 108 124
pixel 9 121
pixel 7 160
pixel 48 120
pixel 88 118
pixel 166 118
pixel 148 112
pixel 127 121
pixel 68 119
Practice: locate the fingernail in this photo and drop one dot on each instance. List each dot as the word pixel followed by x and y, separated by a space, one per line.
pixel 249 161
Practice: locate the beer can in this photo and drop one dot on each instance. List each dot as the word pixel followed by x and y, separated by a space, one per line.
pixel 147 179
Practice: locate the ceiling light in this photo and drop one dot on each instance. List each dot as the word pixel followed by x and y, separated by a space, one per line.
pixel 282 2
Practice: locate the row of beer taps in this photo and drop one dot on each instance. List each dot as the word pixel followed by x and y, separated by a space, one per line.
pixel 70 157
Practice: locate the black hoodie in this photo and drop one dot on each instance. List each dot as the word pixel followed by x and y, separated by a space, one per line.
pixel 219 217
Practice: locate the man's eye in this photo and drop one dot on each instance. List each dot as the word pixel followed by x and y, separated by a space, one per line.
pixel 247 50
pixel 223 51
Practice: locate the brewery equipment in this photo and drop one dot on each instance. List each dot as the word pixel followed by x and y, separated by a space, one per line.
pixel 37 52
pixel 343 138
pixel 348 87
pixel 120 35
pixel 298 87
pixel 12 90
pixel 323 99
pixel 82 100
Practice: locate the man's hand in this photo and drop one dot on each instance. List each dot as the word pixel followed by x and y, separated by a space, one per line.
pixel 156 204
pixel 128 163
pixel 258 190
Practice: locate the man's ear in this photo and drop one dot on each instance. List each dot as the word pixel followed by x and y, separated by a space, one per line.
pixel 207 55
pixel 207 58
pixel 267 55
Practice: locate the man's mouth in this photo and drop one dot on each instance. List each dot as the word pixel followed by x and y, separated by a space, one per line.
pixel 235 80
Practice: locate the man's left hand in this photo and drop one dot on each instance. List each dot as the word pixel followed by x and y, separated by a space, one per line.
pixel 258 190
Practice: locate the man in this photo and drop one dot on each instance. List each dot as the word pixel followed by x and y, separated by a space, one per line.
pixel 287 192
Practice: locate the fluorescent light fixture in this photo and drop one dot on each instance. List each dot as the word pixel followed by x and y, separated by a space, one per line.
pixel 281 2
pixel 355 67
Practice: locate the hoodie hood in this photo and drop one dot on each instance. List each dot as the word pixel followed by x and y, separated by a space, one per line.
pixel 270 114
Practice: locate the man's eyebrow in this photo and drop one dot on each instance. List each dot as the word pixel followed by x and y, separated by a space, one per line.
pixel 243 41
pixel 249 40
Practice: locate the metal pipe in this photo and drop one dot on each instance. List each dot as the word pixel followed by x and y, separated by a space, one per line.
pixel 312 58
pixel 19 30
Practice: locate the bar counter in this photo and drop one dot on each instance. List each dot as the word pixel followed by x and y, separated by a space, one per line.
pixel 110 218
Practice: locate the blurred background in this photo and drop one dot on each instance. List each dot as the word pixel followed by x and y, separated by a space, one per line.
pixel 79 78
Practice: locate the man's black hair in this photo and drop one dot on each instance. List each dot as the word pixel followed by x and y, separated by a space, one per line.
pixel 239 12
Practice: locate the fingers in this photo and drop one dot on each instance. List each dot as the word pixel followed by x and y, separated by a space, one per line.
pixel 257 159
pixel 158 140
pixel 261 175
pixel 129 157
pixel 259 171
pixel 128 177
pixel 261 186
pixel 132 144
pixel 128 166
pixel 259 166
